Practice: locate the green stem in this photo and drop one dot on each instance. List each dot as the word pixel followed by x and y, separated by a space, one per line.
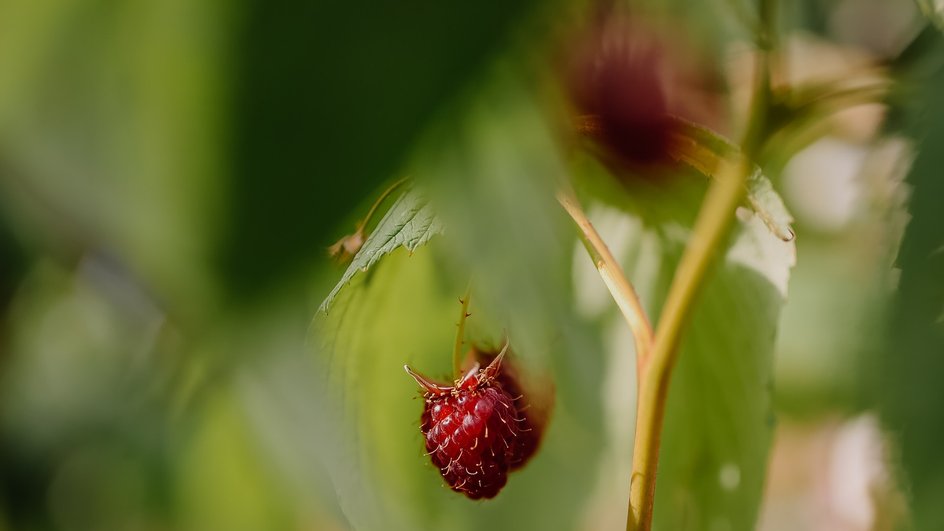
pixel 760 102
pixel 711 226
pixel 460 333
pixel 373 209
pixel 612 274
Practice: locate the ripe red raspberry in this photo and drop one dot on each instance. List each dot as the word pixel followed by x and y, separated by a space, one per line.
pixel 475 432
pixel 533 419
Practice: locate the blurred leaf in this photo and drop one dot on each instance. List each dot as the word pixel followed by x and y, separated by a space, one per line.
pixel 767 204
pixel 910 390
pixel 328 99
pixel 111 134
pixel 83 401
pixel 222 478
pixel 719 418
pixel 491 169
pixel 704 151
pixel 934 11
pixel 369 411
pixel 367 404
pixel 13 260
pixel 409 223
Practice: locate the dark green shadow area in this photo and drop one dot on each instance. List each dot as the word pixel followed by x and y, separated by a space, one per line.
pixel 328 96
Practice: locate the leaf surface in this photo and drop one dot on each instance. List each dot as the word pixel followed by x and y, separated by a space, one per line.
pixel 409 223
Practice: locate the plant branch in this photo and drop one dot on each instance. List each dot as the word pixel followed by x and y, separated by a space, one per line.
pixel 620 288
pixel 711 226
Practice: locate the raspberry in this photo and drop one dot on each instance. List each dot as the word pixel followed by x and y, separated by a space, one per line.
pixel 475 430
pixel 532 421
pixel 630 83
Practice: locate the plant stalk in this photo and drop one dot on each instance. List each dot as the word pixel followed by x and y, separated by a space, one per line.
pixel 612 274
pixel 711 227
pixel 460 333
pixel 373 208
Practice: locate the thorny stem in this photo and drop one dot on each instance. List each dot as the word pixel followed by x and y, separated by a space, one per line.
pixel 620 288
pixel 460 333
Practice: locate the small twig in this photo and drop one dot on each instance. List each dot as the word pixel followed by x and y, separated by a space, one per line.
pixel 620 288
pixel 460 333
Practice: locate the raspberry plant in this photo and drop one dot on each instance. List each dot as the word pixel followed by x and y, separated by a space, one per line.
pixel 699 287
pixel 608 173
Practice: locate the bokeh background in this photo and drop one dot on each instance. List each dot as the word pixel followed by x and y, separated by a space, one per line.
pixel 172 173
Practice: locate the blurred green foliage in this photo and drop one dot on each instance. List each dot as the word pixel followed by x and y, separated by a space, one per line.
pixel 328 99
pixel 171 173
pixel 909 388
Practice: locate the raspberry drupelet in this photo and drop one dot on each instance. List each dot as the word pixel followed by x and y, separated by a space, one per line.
pixel 475 432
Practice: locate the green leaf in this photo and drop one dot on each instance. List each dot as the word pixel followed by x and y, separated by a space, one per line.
pixel 368 408
pixel 908 379
pixel 409 223
pixel 135 100
pixel 368 411
pixel 769 207
pixel 719 418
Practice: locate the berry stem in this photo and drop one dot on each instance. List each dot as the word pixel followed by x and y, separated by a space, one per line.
pixel 373 208
pixel 352 243
pixel 460 333
pixel 616 282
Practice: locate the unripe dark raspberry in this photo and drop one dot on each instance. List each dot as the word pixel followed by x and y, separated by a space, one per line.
pixel 629 84
pixel 475 431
